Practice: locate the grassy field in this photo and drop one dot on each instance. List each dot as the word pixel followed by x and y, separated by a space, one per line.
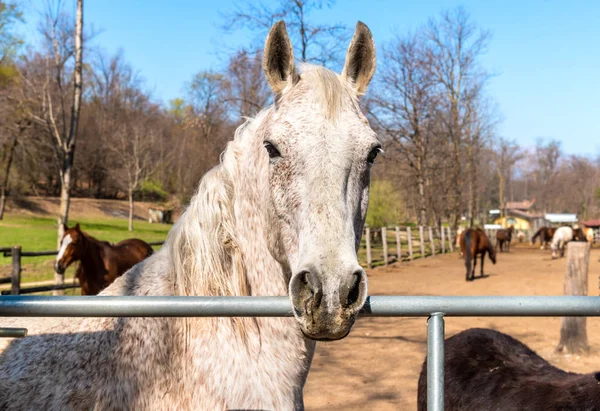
pixel 38 233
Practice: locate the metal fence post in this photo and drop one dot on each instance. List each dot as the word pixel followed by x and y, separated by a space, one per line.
pixel 435 362
pixel 16 270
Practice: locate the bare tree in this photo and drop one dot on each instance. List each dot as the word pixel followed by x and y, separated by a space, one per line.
pixel 246 88
pixel 545 169
pixel 479 129
pixel 506 155
pixel 60 122
pixel 317 43
pixel 402 106
pixel 455 46
pixel 133 149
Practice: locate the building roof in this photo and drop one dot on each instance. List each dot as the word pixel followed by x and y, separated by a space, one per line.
pixel 561 218
pixel 592 223
pixel 522 214
pixel 519 205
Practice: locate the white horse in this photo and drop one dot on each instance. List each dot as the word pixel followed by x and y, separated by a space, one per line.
pixel 282 215
pixel 561 237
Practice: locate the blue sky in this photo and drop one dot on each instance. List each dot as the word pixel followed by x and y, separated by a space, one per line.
pixel 546 53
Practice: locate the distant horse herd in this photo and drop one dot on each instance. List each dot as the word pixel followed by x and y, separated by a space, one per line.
pixel 256 227
pixel 474 242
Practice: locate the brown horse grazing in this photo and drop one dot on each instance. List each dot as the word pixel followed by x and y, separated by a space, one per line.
pixel 488 370
pixel 100 262
pixel 545 234
pixel 504 236
pixel 474 242
pixel 579 235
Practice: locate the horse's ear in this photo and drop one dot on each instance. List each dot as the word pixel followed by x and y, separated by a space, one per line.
pixel 278 59
pixel 360 59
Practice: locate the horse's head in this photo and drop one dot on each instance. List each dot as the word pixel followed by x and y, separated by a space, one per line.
pixel 320 148
pixel 70 249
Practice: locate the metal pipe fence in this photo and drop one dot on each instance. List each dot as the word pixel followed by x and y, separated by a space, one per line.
pixel 433 307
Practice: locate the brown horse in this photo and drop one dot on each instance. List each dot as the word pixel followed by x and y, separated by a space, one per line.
pixel 545 234
pixel 504 236
pixel 100 262
pixel 488 370
pixel 474 242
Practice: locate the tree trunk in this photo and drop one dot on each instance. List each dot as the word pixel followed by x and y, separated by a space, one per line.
pixel 573 334
pixel 69 141
pixel 130 209
pixel 471 175
pixel 65 195
pixel 501 193
pixel 63 218
pixel 4 184
pixel 422 215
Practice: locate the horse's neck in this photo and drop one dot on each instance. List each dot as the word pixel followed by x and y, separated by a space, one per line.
pixel 92 260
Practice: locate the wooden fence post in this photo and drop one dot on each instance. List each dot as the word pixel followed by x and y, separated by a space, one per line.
pixel 385 245
pixel 16 270
pixel 410 250
pixel 573 334
pixel 432 240
pixel 443 240
pixel 421 242
pixel 450 240
pixel 369 260
pixel 398 244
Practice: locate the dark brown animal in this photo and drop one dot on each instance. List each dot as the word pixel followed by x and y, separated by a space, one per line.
pixel 488 370
pixel 545 234
pixel 579 235
pixel 100 262
pixel 504 236
pixel 474 242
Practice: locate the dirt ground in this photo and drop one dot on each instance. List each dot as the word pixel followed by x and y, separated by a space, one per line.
pixel 377 366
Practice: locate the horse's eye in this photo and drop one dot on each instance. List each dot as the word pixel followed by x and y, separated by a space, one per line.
pixel 373 154
pixel 273 152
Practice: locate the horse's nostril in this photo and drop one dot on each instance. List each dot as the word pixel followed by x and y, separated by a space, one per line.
pixel 354 293
pixel 307 291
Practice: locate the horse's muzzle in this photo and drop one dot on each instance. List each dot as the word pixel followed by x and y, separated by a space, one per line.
pixel 327 313
pixel 59 268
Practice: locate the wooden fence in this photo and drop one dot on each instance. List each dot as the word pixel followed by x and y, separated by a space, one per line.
pixel 386 245
pixel 14 280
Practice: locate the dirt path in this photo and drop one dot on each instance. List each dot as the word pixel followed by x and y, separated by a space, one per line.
pixel 378 365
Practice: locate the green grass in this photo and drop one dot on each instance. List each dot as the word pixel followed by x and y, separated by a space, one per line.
pixel 39 234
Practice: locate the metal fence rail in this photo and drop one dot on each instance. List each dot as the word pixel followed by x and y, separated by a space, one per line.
pixel 435 308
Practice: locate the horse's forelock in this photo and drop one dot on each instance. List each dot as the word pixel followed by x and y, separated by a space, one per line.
pixel 321 86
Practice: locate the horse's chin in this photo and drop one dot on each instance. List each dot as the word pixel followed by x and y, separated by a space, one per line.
pixel 330 331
